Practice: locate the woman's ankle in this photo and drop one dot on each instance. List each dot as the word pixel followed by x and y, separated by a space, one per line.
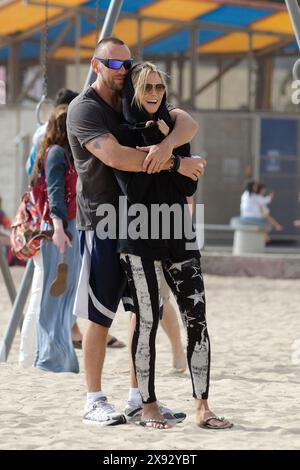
pixel 150 407
pixel 201 405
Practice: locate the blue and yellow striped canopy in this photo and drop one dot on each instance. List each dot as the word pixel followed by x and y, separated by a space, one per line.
pixel 163 26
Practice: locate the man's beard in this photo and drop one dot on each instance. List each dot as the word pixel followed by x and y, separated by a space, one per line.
pixel 111 84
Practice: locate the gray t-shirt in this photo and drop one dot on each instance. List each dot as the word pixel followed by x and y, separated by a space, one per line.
pixel 90 117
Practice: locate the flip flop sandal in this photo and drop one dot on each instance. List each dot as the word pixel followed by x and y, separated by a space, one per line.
pixel 205 424
pixel 59 285
pixel 146 422
pixel 113 342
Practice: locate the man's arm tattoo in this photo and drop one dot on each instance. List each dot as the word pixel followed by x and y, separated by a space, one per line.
pixel 97 142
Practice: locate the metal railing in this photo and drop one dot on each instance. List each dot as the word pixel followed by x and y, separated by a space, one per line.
pixel 294 12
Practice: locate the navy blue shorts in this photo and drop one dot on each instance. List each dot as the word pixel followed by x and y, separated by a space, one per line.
pixel 102 282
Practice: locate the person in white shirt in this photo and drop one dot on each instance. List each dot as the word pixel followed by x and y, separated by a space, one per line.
pixel 254 208
pixel 252 204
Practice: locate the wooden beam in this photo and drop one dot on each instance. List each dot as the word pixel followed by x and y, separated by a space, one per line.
pixel 250 3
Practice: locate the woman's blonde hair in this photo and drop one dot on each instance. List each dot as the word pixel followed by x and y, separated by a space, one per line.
pixel 56 133
pixel 139 77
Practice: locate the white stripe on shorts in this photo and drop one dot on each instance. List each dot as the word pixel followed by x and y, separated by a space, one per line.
pixel 84 290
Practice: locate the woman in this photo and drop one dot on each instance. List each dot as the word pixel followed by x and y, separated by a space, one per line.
pixel 145 259
pixel 253 204
pixel 254 208
pixel 55 350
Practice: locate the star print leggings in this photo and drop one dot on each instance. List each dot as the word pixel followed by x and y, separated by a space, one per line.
pixel 186 283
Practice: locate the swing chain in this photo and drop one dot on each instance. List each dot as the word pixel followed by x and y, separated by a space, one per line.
pixel 97 14
pixel 45 50
pixel 44 66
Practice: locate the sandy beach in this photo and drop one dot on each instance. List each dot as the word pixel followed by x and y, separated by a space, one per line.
pixel 254 326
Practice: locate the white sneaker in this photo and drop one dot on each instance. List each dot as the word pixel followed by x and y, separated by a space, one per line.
pixel 133 412
pixel 100 412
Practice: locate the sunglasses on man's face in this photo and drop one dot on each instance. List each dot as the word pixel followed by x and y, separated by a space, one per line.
pixel 115 64
pixel 159 87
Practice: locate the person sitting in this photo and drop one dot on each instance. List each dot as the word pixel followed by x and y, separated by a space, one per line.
pixel 251 211
pixel 254 210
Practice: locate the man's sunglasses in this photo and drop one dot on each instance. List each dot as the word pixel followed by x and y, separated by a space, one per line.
pixel 159 87
pixel 115 64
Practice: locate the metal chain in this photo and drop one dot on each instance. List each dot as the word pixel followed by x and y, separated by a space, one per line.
pixel 45 51
pixel 97 20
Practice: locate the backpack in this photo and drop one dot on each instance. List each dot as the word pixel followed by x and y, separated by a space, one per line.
pixel 26 234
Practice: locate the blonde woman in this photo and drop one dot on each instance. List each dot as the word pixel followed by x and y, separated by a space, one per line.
pixel 144 259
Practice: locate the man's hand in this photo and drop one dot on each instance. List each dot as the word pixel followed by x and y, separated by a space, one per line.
pixel 157 156
pixel 192 167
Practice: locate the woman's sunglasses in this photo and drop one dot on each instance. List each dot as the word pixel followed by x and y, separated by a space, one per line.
pixel 159 87
pixel 115 64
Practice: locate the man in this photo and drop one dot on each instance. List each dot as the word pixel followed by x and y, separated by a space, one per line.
pixel 92 120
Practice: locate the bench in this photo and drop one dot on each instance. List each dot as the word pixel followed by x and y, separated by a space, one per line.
pixel 247 238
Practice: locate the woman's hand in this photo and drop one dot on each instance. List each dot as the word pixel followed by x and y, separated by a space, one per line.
pixel 192 167
pixel 60 239
pixel 278 227
pixel 163 127
pixel 271 195
pixel 158 154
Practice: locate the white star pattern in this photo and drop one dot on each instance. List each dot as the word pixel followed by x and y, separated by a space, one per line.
pixel 177 266
pixel 197 272
pixel 177 283
pixel 187 318
pixel 197 297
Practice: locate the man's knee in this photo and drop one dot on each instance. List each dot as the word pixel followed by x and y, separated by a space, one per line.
pixel 96 328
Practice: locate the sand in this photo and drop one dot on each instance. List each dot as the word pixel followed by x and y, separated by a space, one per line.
pixel 254 326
